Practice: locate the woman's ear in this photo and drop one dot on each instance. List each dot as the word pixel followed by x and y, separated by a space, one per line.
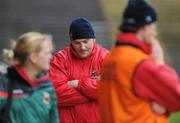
pixel 32 58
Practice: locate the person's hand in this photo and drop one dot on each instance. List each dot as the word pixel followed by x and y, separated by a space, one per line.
pixel 157 108
pixel 72 83
pixel 156 51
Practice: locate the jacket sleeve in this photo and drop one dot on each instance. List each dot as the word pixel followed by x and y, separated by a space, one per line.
pixel 159 83
pixel 66 96
pixel 88 87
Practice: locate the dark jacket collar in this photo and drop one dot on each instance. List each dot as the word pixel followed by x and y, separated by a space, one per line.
pixel 17 73
pixel 130 39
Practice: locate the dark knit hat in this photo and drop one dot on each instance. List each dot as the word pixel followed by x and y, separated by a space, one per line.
pixel 138 13
pixel 81 28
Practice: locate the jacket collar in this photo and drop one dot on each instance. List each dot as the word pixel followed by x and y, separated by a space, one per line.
pixel 130 39
pixel 17 73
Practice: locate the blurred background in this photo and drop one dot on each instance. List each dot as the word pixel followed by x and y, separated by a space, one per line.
pixel 168 24
pixel 54 16
pixel 49 16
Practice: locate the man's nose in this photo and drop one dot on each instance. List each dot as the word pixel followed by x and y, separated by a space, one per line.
pixel 83 46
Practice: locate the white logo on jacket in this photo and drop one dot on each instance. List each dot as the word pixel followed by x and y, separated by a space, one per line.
pixel 46 99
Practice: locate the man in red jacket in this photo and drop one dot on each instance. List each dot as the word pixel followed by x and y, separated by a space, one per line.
pixel 75 72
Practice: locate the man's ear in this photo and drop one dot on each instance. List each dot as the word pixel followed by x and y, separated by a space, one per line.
pixel 141 30
pixel 94 40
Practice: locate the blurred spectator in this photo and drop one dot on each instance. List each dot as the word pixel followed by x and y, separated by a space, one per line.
pixel 26 92
pixel 75 72
pixel 3 67
pixel 135 76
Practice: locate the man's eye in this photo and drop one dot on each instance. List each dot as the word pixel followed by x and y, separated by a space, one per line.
pixel 85 42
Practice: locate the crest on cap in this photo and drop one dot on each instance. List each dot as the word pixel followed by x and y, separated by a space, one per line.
pixel 138 13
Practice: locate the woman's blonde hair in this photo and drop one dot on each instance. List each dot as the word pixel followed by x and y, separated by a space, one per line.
pixel 26 44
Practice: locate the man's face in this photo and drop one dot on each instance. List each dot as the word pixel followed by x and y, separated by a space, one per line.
pixel 83 47
pixel 150 32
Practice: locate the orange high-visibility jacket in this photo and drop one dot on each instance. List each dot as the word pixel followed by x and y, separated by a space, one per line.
pixel 123 96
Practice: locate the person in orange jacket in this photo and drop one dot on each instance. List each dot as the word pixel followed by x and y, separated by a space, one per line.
pixel 134 75
pixel 75 72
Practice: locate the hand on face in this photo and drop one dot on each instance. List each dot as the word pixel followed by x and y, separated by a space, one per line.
pixel 156 51
pixel 150 33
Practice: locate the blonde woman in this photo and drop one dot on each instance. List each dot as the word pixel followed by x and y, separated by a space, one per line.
pixel 26 92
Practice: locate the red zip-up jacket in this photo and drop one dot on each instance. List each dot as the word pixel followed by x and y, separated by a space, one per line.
pixel 77 105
